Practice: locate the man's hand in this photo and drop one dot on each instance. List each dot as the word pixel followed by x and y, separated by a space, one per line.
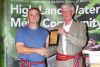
pixel 62 31
pixel 41 51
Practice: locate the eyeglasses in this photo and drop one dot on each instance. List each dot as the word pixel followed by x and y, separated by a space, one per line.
pixel 66 11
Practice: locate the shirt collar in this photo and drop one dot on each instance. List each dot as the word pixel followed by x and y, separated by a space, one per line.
pixel 68 24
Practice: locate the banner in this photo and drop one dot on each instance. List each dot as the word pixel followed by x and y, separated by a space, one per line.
pixel 15 15
pixel 1 33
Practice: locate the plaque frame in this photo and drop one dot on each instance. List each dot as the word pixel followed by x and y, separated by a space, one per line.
pixel 52 33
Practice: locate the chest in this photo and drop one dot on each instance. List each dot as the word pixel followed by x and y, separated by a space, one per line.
pixel 35 39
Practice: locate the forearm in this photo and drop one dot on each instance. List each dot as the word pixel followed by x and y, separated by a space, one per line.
pixel 22 49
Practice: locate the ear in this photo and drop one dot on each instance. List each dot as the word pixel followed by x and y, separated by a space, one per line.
pixel 73 12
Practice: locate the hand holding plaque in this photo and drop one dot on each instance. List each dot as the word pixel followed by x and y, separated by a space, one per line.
pixel 53 37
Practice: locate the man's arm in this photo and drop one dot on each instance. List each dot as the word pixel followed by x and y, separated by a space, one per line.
pixel 79 40
pixel 50 50
pixel 22 49
pixel 47 41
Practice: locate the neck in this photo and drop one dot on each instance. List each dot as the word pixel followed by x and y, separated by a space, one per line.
pixel 33 26
pixel 67 21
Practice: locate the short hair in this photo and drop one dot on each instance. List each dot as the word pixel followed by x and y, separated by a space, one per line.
pixel 69 5
pixel 33 9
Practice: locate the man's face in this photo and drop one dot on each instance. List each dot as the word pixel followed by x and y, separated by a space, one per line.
pixel 67 13
pixel 33 16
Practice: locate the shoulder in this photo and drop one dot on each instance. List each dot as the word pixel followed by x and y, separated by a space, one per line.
pixel 21 29
pixel 43 29
pixel 79 24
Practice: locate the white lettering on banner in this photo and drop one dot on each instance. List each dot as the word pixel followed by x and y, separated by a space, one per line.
pixel 18 22
pixel 92 23
pixel 50 11
pixel 47 23
pixel 19 10
pixel 87 10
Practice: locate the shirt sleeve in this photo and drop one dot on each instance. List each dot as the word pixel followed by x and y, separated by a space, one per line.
pixel 19 36
pixel 47 33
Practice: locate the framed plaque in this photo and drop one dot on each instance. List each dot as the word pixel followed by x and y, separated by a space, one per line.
pixel 54 37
